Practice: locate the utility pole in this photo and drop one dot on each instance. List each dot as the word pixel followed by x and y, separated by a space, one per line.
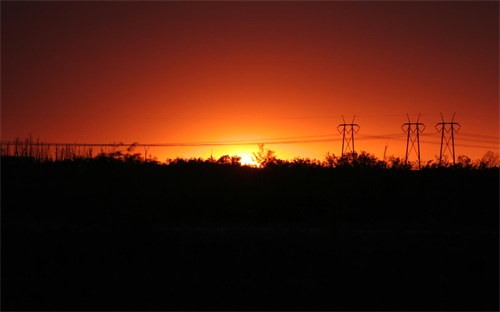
pixel 449 128
pixel 350 130
pixel 413 129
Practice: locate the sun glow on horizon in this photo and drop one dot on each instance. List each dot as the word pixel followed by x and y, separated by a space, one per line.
pixel 247 160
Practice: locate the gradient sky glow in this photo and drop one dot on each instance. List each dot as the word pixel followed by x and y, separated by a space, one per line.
pixel 256 71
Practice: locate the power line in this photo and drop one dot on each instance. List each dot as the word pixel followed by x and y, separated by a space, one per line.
pixel 280 140
pixel 190 144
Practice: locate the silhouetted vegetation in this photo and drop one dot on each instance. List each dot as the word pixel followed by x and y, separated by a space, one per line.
pixel 119 231
pixel 43 152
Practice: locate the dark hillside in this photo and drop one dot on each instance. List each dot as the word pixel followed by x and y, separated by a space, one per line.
pixel 110 235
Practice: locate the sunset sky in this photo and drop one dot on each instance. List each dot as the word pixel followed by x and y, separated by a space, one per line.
pixel 229 73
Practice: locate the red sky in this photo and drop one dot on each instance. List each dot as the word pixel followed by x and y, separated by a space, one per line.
pixel 256 71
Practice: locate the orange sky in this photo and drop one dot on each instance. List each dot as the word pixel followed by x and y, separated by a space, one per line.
pixel 183 72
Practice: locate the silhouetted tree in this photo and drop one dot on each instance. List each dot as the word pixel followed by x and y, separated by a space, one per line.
pixel 346 160
pixel 330 161
pixel 236 160
pixel 367 160
pixel 264 157
pixel 305 163
pixel 176 161
pixel 224 160
pixel 229 160
pixel 464 162
pixel 490 160
pixel 394 162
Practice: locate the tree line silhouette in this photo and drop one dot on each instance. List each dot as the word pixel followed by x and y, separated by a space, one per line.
pixel 264 157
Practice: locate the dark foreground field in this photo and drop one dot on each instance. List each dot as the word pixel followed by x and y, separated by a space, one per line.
pixel 116 236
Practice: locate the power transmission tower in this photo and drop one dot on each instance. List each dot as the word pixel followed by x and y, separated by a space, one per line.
pixel 350 130
pixel 449 128
pixel 413 129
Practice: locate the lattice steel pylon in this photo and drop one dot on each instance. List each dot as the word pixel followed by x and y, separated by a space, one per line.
pixel 413 129
pixel 349 129
pixel 447 127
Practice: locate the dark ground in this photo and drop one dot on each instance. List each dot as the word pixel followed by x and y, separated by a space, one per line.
pixel 114 236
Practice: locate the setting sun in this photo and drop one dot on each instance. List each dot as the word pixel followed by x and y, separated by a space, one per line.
pixel 247 160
